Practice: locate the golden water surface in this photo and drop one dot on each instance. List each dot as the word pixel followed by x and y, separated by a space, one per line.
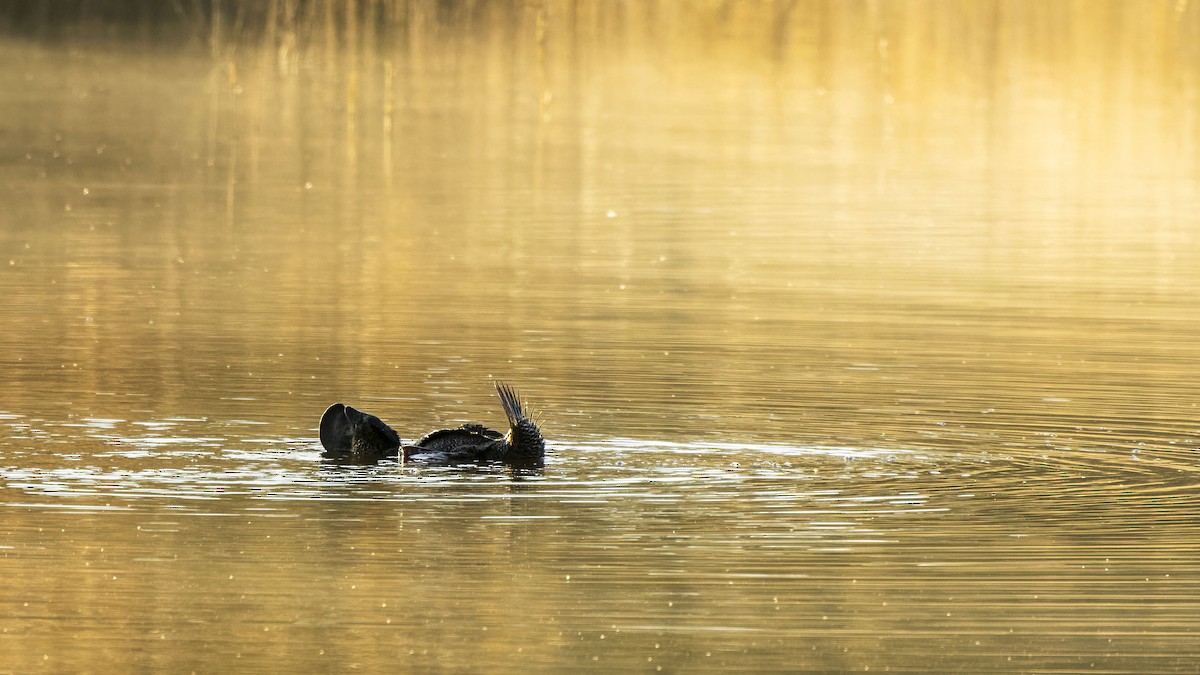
pixel 866 336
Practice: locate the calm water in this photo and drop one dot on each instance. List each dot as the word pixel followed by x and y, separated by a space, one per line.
pixel 864 337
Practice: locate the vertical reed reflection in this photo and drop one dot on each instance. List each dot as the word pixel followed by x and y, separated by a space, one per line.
pixel 864 333
pixel 748 198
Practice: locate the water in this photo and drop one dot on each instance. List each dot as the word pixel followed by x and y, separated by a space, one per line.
pixel 864 338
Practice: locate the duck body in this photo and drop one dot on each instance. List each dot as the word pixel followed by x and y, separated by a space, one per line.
pixel 350 435
pixel 465 444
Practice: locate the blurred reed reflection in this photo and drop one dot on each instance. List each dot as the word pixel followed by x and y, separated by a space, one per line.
pixel 735 205
pixel 864 333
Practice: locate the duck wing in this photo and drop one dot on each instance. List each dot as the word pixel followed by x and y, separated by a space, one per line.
pixel 467 434
pixel 468 443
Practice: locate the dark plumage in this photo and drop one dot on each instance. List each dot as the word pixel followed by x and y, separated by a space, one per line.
pixel 349 434
pixel 524 441
pixel 355 436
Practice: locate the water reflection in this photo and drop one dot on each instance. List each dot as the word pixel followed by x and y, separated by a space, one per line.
pixel 864 336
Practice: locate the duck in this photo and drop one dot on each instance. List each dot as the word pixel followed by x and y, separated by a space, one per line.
pixel 350 435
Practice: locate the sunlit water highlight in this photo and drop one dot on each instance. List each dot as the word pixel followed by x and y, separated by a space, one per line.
pixel 864 337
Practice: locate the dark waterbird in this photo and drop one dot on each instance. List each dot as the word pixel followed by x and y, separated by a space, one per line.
pixel 352 435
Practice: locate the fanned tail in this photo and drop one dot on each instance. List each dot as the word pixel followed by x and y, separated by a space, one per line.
pixel 525 440
pixel 511 400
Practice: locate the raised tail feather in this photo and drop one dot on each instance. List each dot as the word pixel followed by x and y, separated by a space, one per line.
pixel 524 438
pixel 511 400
